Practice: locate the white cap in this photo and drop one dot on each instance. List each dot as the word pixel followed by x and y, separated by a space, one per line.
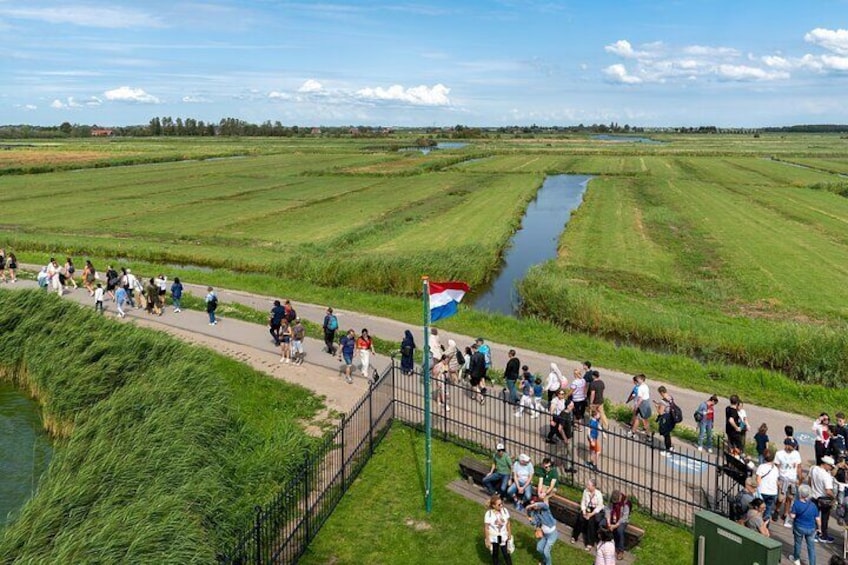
pixel 500 447
pixel 524 458
pixel 828 460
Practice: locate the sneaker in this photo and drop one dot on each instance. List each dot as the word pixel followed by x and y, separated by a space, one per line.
pixel 447 408
pixel 629 433
pixel 519 507
pixel 796 562
pixel 700 448
pixel 827 539
pixel 177 310
pixel 288 360
pixel 348 379
pixel 788 522
pixel 817 538
pixel 518 414
pixel 710 450
pixel 664 453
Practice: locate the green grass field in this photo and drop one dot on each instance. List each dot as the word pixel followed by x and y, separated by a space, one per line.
pixel 726 248
pixel 382 518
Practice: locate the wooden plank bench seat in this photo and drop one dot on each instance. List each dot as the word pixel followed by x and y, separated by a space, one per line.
pixel 563 509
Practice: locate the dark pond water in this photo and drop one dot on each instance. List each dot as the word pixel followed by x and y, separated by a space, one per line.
pixel 24 450
pixel 535 242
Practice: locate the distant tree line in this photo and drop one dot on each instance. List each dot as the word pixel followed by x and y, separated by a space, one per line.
pixel 810 128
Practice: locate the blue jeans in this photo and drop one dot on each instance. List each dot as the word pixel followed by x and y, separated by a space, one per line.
pixel 705 430
pixel 618 535
pixel 211 316
pixel 770 500
pixel 513 393
pixel 177 302
pixel 528 492
pixel 804 534
pixel 496 482
pixel 545 544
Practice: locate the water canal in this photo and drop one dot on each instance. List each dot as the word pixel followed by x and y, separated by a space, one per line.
pixel 535 242
pixel 25 450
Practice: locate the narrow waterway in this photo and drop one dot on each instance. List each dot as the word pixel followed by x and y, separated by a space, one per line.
pixel 535 242
pixel 25 450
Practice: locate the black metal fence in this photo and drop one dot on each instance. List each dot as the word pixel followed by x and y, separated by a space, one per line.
pixel 669 486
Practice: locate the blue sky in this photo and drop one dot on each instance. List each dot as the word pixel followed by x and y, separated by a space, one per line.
pixel 501 62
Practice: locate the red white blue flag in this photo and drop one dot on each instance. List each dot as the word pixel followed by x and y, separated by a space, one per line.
pixel 445 298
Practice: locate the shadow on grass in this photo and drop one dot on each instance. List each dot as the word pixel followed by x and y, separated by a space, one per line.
pixel 419 471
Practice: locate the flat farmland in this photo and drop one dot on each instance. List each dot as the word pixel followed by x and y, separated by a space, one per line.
pixel 734 259
pixel 369 219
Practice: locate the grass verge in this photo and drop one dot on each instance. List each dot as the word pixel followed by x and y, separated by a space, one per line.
pixel 382 518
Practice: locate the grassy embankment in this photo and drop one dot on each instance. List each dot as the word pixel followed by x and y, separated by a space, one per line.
pixel 163 448
pixel 382 518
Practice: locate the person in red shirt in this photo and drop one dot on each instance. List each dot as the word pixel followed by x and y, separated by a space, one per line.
pixel 365 347
pixel 705 416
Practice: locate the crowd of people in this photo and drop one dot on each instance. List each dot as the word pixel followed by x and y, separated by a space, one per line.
pixel 601 523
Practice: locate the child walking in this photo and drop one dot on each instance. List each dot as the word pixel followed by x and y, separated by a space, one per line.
pixel 526 394
pixel 761 439
pixel 538 392
pixel 593 432
pixel 98 298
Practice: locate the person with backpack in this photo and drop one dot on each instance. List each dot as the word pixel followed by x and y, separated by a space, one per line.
pixel 275 321
pixel 211 305
pixel 705 418
pixel 665 419
pixel 330 325
pixel 740 503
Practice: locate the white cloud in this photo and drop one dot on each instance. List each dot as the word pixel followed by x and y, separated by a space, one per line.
pixel 777 62
pixel 835 63
pixel 706 51
pixel 85 15
pixel 746 73
pixel 417 96
pixel 835 40
pixel 28 107
pixel 311 86
pixel 127 94
pixel 623 48
pixel 618 73
pixel 276 95
pixel 196 99
pixel 71 102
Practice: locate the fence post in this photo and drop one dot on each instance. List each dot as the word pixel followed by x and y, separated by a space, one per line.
pixel 504 416
pixel 257 535
pixel 306 504
pixel 370 422
pixel 653 471
pixel 344 459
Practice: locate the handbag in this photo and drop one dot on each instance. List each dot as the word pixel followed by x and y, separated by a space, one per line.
pixel 539 533
pixel 510 545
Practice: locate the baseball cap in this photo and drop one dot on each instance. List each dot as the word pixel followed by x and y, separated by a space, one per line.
pixel 500 447
pixel 524 458
pixel 828 460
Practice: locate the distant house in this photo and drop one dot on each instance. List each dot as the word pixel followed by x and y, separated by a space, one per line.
pixel 316 131
pixel 101 132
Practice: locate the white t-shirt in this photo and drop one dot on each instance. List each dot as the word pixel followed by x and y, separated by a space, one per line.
pixel 643 392
pixel 496 524
pixel 767 473
pixel 578 387
pixel 522 472
pixel 820 481
pixel 787 464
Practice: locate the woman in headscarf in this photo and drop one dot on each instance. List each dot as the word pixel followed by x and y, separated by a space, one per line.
pixel 554 381
pixel 407 350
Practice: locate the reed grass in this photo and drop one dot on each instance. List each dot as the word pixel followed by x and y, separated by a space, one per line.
pixel 162 448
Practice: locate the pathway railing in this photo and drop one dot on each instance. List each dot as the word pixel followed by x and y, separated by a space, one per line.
pixel 670 487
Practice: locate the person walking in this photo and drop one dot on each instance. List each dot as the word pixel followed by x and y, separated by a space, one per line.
pixel 805 525
pixel 767 478
pixel 177 295
pixel 705 418
pixel 511 374
pixel 89 275
pixel 298 333
pixel 497 530
pixel 822 493
pixel 365 346
pixel 733 426
pixel 347 345
pixel 211 305
pixel 2 265
pixel 606 554
pixel 540 516
pixel 151 292
pixel 98 298
pixel 285 341
pixel 69 272
pixel 407 353
pixel 12 265
pixel 554 382
pixel 330 325
pixel 120 300
pixel 641 407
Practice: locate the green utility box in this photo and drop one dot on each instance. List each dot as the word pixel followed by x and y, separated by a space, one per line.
pixel 721 541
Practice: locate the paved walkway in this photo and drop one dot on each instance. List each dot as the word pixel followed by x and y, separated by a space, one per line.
pixel 243 334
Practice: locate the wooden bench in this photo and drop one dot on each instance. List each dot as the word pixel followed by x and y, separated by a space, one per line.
pixel 563 509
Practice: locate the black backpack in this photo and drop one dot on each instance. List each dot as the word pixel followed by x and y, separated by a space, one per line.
pixel 676 412
pixel 738 509
pixel 460 358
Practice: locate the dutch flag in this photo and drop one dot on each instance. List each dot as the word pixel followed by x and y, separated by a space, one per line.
pixel 445 297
